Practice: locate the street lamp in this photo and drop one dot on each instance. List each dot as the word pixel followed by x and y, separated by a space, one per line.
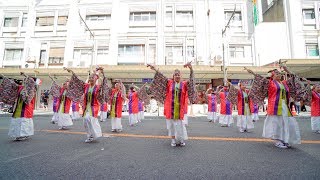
pixel 93 38
pixel 223 32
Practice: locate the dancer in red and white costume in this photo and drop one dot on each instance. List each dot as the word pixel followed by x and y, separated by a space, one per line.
pixel 173 93
pixel 22 97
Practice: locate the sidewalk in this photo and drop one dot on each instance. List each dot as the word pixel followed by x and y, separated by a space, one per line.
pixel 234 113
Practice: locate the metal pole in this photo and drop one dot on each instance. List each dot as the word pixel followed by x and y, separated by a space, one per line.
pixel 223 55
pixel 93 53
pixel 93 38
pixel 224 65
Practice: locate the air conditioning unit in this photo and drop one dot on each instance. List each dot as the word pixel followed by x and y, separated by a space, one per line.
pixel 169 61
pixel 217 59
pixel 82 63
pixel 70 64
pixel 200 60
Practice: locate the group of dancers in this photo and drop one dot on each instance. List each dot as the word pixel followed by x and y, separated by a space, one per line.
pixel 95 95
pixel 247 109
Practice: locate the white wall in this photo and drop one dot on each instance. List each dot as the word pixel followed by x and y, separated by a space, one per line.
pixel 271 42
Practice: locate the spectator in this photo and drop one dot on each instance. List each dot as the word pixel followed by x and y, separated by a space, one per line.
pixel 297 105
pixel 45 100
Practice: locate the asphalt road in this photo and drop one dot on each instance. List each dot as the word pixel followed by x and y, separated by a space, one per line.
pixel 144 152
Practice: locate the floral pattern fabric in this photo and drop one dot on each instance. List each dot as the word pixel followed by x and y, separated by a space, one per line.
pixel 192 91
pixel 233 95
pixel 76 88
pixel 297 89
pixel 143 95
pixel 9 91
pixel 29 90
pixel 158 87
pixel 55 90
pixel 259 89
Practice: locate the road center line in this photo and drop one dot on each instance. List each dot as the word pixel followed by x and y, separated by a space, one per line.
pixel 192 138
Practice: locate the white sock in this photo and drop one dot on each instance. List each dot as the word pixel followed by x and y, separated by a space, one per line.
pixel 173 141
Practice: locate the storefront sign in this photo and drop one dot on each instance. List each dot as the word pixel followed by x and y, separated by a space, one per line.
pixel 128 80
pixel 147 80
pixel 245 82
pixel 203 80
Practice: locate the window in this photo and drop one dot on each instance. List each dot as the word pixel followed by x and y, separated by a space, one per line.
pixel 312 50
pixel 131 54
pixel 190 51
pixel 152 54
pixel 24 20
pixel 102 53
pixel 236 52
pixel 45 21
pixel 63 17
pixel 103 50
pixel 184 18
pixel 142 16
pixel 308 14
pixel 43 55
pixel 11 21
pixel 62 20
pixel 131 50
pixel 98 18
pixel 83 54
pixel 56 55
pixel 168 18
pixel 309 22
pixel 236 21
pixel 13 54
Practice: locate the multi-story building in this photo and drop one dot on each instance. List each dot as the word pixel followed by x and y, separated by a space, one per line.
pixel 47 34
pixel 82 33
pixel 288 30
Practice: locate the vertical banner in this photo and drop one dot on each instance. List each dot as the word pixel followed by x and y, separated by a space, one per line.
pixel 255 12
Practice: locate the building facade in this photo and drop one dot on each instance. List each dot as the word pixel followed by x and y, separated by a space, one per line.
pixel 80 33
pixel 287 29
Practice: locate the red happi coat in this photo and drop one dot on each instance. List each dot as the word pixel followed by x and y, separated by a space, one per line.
pixel 67 102
pixel 315 104
pixel 186 105
pixel 226 106
pixel 104 107
pixel 133 103
pixel 27 109
pixel 253 107
pixel 169 101
pixel 212 103
pixel 95 106
pixel 118 102
pixel 274 106
pixel 241 102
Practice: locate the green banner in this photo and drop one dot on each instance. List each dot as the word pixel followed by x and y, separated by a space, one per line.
pixel 255 15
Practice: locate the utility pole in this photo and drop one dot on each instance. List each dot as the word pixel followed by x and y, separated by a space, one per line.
pixel 223 32
pixel 93 38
